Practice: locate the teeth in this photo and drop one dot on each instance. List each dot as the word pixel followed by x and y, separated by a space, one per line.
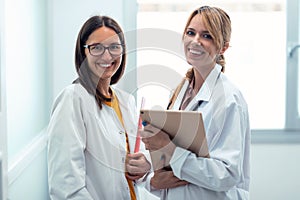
pixel 105 65
pixel 196 52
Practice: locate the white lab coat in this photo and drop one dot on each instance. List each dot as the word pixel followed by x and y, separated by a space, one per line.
pixel 87 146
pixel 225 175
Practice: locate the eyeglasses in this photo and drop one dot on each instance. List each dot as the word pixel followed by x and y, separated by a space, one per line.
pixel 98 49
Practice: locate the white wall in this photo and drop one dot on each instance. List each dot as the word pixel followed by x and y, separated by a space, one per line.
pixel 275 171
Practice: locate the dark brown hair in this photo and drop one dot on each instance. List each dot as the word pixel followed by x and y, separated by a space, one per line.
pixel 81 64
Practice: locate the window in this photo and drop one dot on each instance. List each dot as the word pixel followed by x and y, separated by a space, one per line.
pixel 256 60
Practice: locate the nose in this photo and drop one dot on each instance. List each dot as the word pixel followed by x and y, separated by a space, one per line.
pixel 197 39
pixel 106 55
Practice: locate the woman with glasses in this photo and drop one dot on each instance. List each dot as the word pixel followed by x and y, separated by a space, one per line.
pixel 92 131
pixel 206 89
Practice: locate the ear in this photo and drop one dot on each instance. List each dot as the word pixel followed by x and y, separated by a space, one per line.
pixel 225 47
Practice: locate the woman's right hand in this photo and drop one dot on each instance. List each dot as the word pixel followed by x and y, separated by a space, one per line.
pixel 137 165
pixel 164 179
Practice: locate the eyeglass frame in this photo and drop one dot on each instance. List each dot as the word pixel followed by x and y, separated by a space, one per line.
pixel 105 48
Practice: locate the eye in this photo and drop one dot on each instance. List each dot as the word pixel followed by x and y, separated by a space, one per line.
pixel 97 47
pixel 115 46
pixel 207 36
pixel 190 33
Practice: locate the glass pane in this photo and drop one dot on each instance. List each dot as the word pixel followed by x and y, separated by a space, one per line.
pixel 255 60
pixel 27 108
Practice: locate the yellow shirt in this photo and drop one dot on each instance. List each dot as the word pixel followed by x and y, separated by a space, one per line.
pixel 115 105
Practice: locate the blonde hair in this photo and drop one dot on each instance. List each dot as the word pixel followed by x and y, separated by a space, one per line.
pixel 218 24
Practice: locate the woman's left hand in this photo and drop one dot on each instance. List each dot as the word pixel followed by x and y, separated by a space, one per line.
pixel 159 143
pixel 137 166
pixel 154 138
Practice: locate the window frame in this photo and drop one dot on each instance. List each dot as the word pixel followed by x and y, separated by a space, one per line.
pixel 3 132
pixel 291 132
pixel 292 66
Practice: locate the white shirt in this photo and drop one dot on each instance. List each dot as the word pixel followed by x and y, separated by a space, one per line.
pixel 225 175
pixel 87 146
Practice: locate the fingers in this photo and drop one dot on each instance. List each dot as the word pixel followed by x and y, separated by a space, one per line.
pixel 149 131
pixel 134 162
pixel 154 138
pixel 137 163
pixel 136 159
pixel 137 169
pixel 165 179
pixel 167 184
pixel 146 134
pixel 181 183
pixel 135 156
pixel 134 177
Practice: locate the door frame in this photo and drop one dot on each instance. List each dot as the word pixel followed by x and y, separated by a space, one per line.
pixel 3 130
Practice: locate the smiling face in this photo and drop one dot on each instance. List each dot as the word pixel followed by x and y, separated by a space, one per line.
pixel 103 66
pixel 199 47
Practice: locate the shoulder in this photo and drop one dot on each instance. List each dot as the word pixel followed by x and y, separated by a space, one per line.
pixel 73 91
pixel 71 95
pixel 124 96
pixel 232 93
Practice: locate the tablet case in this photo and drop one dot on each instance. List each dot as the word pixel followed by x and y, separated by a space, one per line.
pixel 185 129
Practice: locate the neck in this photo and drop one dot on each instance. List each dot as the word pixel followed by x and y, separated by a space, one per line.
pixel 198 82
pixel 200 75
pixel 104 87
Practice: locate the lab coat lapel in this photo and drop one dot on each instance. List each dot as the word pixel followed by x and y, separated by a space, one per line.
pixel 180 96
pixel 130 122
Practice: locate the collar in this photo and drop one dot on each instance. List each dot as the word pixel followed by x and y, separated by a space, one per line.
pixel 205 91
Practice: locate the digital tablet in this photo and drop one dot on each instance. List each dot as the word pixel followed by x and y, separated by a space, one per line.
pixel 185 128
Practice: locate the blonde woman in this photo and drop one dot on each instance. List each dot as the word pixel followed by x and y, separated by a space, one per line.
pixel 225 174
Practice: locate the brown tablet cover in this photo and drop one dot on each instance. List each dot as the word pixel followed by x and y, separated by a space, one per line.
pixel 185 129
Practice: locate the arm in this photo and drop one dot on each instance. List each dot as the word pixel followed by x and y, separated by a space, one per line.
pixel 224 169
pixel 157 140
pixel 66 160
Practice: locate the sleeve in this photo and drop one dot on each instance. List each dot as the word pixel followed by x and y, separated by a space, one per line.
pixel 66 144
pixel 223 170
pixel 149 188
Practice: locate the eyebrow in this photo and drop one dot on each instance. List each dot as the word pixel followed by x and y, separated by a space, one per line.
pixel 97 43
pixel 192 29
pixel 188 28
